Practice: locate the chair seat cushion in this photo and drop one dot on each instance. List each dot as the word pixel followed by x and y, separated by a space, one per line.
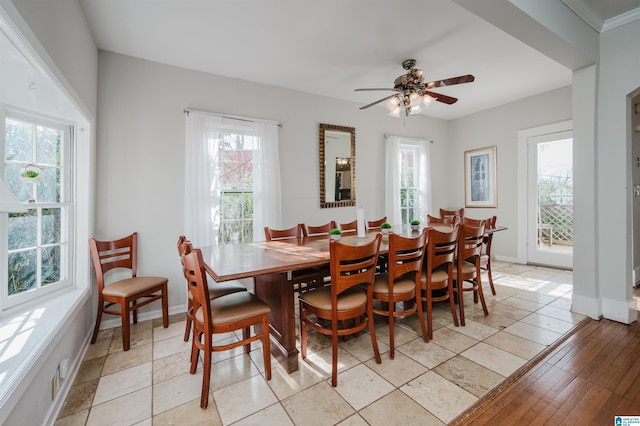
pixel 222 289
pixel 437 276
pixel 321 298
pixel 401 285
pixel 132 286
pixel 234 307
pixel 467 268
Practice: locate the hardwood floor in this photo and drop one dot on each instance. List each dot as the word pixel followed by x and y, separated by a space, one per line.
pixel 589 378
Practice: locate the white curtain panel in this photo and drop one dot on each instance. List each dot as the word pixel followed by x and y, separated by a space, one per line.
pixel 202 175
pixel 393 158
pixel 267 197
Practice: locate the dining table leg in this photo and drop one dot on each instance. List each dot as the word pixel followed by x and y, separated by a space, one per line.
pixel 275 290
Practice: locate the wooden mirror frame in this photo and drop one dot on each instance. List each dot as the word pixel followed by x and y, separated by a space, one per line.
pixel 344 203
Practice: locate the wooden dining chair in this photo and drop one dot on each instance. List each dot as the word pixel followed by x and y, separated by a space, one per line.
pixel 471 222
pixel 237 311
pixel 130 293
pixel 352 267
pixel 312 231
pixel 467 267
pixel 436 281
pixel 215 289
pixel 431 220
pixel 485 258
pixel 401 282
pixel 457 214
pixel 349 226
pixel 301 279
pixel 282 234
pixel 375 224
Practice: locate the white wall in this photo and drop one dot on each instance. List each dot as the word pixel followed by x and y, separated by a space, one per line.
pixel 618 78
pixel 499 126
pixel 141 152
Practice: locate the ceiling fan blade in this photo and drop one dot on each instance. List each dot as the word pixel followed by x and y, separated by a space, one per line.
pixel 442 98
pixel 450 81
pixel 371 89
pixel 377 102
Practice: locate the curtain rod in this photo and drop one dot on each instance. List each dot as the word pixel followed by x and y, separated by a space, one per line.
pixel 409 138
pixel 231 117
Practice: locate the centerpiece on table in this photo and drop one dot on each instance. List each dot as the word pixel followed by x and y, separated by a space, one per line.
pixel 415 224
pixel 385 228
pixel 335 234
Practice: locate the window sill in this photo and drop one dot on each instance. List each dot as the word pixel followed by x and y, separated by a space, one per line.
pixel 26 340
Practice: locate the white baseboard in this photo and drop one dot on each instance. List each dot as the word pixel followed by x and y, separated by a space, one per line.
pixel 507 259
pixel 589 306
pixel 621 311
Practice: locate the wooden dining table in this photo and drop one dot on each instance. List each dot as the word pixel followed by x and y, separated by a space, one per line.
pixel 271 264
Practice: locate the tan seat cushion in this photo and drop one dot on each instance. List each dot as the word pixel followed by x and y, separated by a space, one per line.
pixel 222 289
pixel 321 298
pixel 132 286
pixel 234 307
pixel 467 268
pixel 401 285
pixel 437 276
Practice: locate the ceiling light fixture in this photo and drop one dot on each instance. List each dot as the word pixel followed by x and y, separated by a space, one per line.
pixel 413 94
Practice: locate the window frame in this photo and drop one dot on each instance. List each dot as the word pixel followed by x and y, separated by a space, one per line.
pixel 66 204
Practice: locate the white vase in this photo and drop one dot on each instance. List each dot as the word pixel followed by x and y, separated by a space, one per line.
pixel 385 231
pixel 415 227
pixel 335 237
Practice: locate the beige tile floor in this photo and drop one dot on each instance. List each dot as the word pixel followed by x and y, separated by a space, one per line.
pixel 426 383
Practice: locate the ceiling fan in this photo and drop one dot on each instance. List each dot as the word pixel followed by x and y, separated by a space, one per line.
pixel 413 94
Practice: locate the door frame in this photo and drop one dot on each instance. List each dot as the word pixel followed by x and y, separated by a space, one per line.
pixel 522 179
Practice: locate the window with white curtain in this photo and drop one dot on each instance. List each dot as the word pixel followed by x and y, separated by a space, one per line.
pixel 232 181
pixel 407 178
pixel 37 255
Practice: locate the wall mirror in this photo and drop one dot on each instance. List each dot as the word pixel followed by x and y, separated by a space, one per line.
pixel 337 166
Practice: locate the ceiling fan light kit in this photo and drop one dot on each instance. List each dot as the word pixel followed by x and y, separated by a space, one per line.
pixel 413 94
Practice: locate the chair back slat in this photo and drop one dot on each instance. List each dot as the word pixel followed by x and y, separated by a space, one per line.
pixel 456 214
pixel 470 242
pixel 373 224
pixel 441 248
pixel 449 220
pixel 352 265
pixel 108 255
pixel 406 255
pixel 310 231
pixel 282 234
pixel 349 227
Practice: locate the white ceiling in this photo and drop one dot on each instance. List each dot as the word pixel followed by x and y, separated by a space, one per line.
pixel 332 47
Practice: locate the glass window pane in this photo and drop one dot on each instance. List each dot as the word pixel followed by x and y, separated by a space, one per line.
pixel 49 188
pixel 18 141
pixel 23 230
pixel 22 271
pixel 50 265
pixel 51 226
pixel 48 146
pixel 231 206
pixel 23 191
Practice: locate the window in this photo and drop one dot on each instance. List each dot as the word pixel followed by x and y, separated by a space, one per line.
pixel 38 256
pixel 232 182
pixel 406 179
pixel 236 188
pixel 409 180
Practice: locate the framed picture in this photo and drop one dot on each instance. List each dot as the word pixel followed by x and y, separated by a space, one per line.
pixel 480 178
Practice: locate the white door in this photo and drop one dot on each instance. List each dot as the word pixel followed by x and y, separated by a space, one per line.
pixel 550 199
